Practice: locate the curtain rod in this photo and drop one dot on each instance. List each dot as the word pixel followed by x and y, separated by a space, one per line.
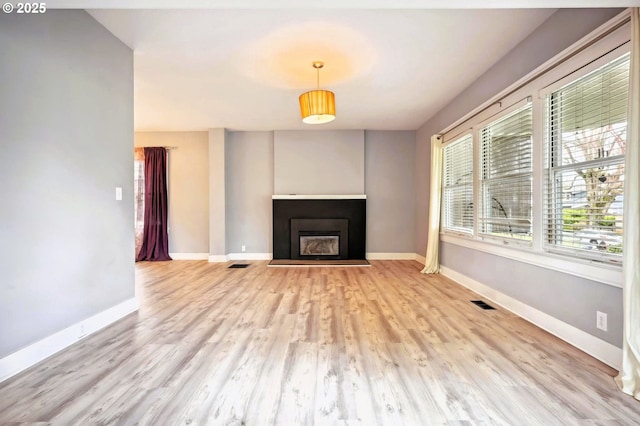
pixel 165 147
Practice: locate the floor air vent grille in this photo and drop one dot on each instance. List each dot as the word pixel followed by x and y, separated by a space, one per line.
pixel 482 304
pixel 239 265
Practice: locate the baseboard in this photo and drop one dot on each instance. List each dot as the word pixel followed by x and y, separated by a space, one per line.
pixel 189 256
pixel 391 256
pixel 249 256
pixel 597 348
pixel 216 258
pixel 269 256
pixel 24 358
pixel 420 259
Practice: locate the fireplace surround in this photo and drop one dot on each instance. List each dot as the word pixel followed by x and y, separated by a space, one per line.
pixel 335 225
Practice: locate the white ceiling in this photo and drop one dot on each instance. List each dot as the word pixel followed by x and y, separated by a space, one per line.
pixel 243 69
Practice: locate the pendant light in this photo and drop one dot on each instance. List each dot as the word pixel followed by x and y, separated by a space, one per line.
pixel 317 106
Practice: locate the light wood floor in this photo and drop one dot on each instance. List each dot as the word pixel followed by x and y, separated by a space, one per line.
pixel 300 346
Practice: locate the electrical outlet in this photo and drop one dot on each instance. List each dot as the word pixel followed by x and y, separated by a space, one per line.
pixel 243 248
pixel 601 320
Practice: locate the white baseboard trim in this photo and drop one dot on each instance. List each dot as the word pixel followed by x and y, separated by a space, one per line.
pixel 24 358
pixel 421 259
pixel 597 348
pixel 189 256
pixel 217 258
pixel 269 256
pixel 250 256
pixel 391 256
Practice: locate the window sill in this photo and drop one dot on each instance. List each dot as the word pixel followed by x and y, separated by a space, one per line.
pixel 591 270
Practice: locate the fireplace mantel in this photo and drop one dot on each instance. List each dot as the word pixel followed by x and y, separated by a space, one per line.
pixel 318 197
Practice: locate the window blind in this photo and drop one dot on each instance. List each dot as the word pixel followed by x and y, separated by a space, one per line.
pixel 457 205
pixel 506 176
pixel 586 123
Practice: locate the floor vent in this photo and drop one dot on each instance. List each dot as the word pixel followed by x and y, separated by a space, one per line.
pixel 239 265
pixel 482 304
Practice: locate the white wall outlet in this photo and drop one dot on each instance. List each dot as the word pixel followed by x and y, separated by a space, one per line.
pixel 118 193
pixel 243 248
pixel 601 320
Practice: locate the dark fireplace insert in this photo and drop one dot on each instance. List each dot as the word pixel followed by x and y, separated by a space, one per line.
pixel 319 229
pixel 319 239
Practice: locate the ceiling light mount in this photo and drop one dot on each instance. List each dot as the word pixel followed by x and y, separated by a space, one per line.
pixel 317 106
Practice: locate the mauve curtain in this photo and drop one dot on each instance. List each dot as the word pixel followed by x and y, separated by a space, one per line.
pixel 155 239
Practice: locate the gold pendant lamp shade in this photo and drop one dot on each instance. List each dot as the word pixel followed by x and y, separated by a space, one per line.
pixel 318 106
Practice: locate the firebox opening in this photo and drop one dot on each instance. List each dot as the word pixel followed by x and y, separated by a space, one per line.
pixel 319 245
pixel 319 238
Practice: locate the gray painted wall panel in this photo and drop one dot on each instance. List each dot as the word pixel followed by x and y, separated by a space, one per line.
pixel 66 135
pixel 390 189
pixel 423 173
pixel 249 181
pixel 319 162
pixel 568 298
pixel 217 192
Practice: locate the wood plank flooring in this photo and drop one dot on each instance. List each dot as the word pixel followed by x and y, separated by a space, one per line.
pixel 383 345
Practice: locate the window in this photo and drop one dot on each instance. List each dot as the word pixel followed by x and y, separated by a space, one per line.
pixel 457 204
pixel 586 122
pixel 539 177
pixel 138 190
pixel 506 176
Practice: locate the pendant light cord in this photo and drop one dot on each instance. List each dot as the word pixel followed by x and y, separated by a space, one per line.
pixel 317 65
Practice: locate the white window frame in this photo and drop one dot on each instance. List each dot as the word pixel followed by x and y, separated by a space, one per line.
pixel 478 179
pixel 459 231
pixel 580 57
pixel 542 95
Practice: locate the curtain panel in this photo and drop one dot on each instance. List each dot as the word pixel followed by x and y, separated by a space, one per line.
pixel 629 378
pixel 432 263
pixel 155 238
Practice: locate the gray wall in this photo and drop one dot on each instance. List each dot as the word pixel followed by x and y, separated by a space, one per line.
pixel 66 135
pixel 388 177
pixel 568 298
pixel 423 173
pixel 574 300
pixel 217 192
pixel 249 187
pixel 188 187
pixel 390 189
pixel 236 170
pixel 319 162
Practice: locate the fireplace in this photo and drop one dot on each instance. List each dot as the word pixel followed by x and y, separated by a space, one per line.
pixel 319 239
pixel 319 228
pixel 318 245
